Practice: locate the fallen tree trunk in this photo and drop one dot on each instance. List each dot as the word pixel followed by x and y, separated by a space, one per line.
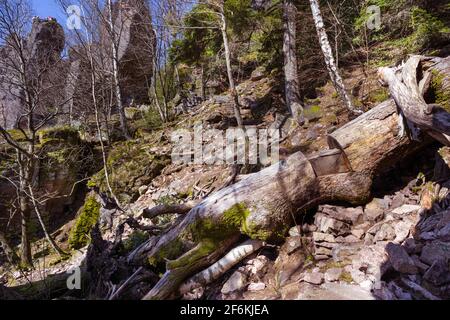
pixel 407 90
pixel 262 205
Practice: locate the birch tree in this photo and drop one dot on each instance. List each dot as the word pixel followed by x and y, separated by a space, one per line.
pixel 329 58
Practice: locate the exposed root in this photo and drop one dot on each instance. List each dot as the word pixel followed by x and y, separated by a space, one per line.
pixel 219 268
pixel 184 208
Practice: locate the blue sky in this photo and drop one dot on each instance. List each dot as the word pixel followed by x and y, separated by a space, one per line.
pixel 45 8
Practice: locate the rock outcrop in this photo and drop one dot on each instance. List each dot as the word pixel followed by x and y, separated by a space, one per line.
pixel 41 59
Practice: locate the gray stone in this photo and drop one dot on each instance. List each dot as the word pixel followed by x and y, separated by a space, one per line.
pixel 358 233
pixel 419 264
pixel 400 260
pixel 374 210
pixel 237 281
pixel 435 251
pixel 438 274
pixel 444 233
pixel 333 274
pixel 325 224
pixel 315 278
pixel 406 209
pixel 411 246
pixel 386 232
pixel 347 215
pixel 256 286
pixel 323 237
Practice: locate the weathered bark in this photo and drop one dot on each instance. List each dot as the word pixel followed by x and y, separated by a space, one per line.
pixel 292 91
pixel 236 104
pixel 329 58
pixel 154 212
pixel 222 266
pixel 115 73
pixel 371 142
pixel 407 90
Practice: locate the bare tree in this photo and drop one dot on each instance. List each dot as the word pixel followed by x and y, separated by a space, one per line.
pixel 329 58
pixel 292 90
pixel 29 75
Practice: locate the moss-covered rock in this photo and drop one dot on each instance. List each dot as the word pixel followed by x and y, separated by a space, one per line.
pixel 86 220
pixel 131 165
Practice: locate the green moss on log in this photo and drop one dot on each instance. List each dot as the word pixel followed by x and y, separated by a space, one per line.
pixel 442 96
pixel 86 220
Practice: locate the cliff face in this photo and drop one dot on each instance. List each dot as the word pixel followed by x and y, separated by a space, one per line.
pixel 135 48
pixel 41 59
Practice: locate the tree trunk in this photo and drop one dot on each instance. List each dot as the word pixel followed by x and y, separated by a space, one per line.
pixel 115 71
pixel 292 91
pixel 407 90
pixel 236 105
pixel 24 176
pixel 329 58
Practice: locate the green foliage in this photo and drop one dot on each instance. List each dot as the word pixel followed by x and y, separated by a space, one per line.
pixel 86 220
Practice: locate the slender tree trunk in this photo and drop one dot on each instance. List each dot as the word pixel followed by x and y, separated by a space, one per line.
pixel 25 250
pixel 115 66
pixel 236 105
pixel 290 62
pixel 328 55
pixel 203 84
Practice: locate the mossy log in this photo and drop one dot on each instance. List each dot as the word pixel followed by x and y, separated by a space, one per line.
pixel 262 205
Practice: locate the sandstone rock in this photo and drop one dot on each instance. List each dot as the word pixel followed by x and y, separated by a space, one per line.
pixel 386 232
pixel 347 215
pixel 258 265
pixel 315 278
pixel 400 259
pixel 435 251
pixel 321 251
pixel 333 274
pixel 325 224
pixel 256 286
pixel 293 243
pixel 236 282
pixel 374 211
pixel 358 233
pixel 438 274
pixel 405 210
pixel 398 200
pixel 402 230
pixel 323 237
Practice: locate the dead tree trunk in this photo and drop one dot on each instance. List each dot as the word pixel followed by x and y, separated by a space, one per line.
pixel 292 91
pixel 261 205
pixel 234 93
pixel 407 90
pixel 329 58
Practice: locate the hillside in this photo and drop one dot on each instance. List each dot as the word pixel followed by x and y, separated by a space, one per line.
pixel 272 150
